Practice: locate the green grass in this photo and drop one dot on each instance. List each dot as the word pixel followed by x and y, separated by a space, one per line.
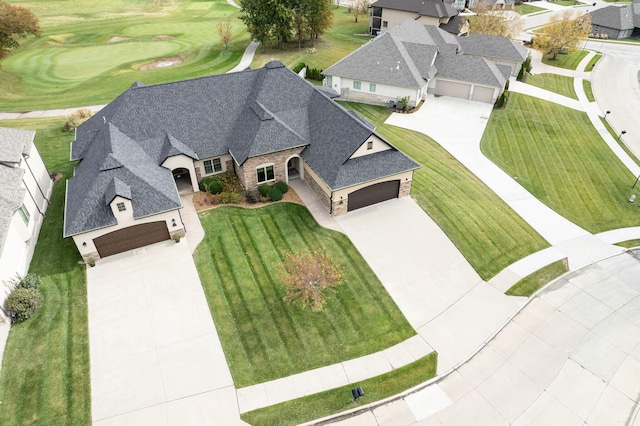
pixel 629 244
pixel 566 2
pixel 561 159
pixel 265 338
pixel 45 372
pixel 559 84
pixel 336 400
pixel 532 282
pixel 335 44
pixel 74 64
pixel 588 91
pixel 593 62
pixel 568 61
pixel 614 135
pixel 489 234
pixel 526 9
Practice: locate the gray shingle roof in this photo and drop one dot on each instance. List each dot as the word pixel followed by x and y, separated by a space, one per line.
pixel 14 143
pixel 616 17
pixel 113 164
pixel 249 113
pixel 403 57
pixel 493 47
pixel 434 8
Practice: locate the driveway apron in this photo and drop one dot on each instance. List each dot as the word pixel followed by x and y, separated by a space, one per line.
pixel 155 354
pixel 434 286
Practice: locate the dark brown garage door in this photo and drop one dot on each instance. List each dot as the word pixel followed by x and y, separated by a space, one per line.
pixel 131 238
pixel 373 194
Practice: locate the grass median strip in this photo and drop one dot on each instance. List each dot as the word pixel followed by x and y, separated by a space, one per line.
pixel 559 84
pixel 489 234
pixel 560 158
pixel 45 370
pixel 336 400
pixel 588 91
pixel 533 282
pixel 265 338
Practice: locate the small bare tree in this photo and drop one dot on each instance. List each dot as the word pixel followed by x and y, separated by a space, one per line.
pixel 358 7
pixel 308 277
pixel 224 31
pixel 491 20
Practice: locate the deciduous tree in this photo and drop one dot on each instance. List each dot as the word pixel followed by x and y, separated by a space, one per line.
pixel 16 22
pixel 223 29
pixel 490 20
pixel 308 277
pixel 563 33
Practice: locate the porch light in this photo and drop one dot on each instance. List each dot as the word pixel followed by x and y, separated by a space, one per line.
pixel 84 244
pixel 173 222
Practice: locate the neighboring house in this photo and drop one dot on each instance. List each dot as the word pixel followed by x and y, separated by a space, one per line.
pixel 25 188
pixel 413 59
pixel 265 125
pixel 616 21
pixel 386 14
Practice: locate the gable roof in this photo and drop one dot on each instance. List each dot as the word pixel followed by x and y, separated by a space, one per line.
pixel 434 8
pixel 493 47
pixel 14 143
pixel 245 114
pixel 616 17
pixel 410 54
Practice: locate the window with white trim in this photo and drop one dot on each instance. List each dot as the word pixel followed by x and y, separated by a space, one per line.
pixel 121 207
pixel 385 24
pixel 265 173
pixel 212 166
pixel 370 145
pixel 329 81
pixel 357 85
pixel 24 214
pixel 372 87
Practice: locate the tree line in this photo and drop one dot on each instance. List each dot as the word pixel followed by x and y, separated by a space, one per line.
pixel 279 21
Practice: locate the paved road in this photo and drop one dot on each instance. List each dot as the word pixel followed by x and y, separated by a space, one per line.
pixel 616 86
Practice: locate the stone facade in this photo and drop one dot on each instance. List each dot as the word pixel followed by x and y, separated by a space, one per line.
pixel 315 187
pixel 405 188
pixel 339 207
pixel 247 172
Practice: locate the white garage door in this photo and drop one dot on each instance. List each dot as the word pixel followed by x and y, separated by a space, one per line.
pixel 483 94
pixel 453 89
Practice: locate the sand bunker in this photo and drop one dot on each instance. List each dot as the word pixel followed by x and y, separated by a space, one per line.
pixel 160 63
pixel 117 39
pixel 163 37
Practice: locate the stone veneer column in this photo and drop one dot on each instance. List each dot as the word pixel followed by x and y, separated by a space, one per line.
pixel 405 188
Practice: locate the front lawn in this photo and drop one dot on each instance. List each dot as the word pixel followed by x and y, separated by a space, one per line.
pixel 533 282
pixel 568 61
pixel 489 234
pixel 45 370
pixel 526 9
pixel 561 159
pixel 325 403
pixel 337 42
pixel 265 338
pixel 559 84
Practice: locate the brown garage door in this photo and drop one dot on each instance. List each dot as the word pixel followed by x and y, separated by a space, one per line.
pixel 373 194
pixel 131 238
pixel 453 89
pixel 483 94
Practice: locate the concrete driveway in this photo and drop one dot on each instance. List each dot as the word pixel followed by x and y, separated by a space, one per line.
pixel 570 357
pixel 155 355
pixel 434 286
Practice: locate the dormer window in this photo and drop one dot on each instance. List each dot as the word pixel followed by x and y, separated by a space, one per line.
pixel 370 145
pixel 121 207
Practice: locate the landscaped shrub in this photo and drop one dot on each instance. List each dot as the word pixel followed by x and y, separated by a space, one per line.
pixel 298 67
pixel 214 187
pixel 521 72
pixel 230 182
pixel 76 119
pixel 275 194
pixel 22 303
pixel 32 281
pixel 527 64
pixel 230 198
pixel 204 184
pixel 264 190
pixel 252 196
pixel 314 74
pixel 283 187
